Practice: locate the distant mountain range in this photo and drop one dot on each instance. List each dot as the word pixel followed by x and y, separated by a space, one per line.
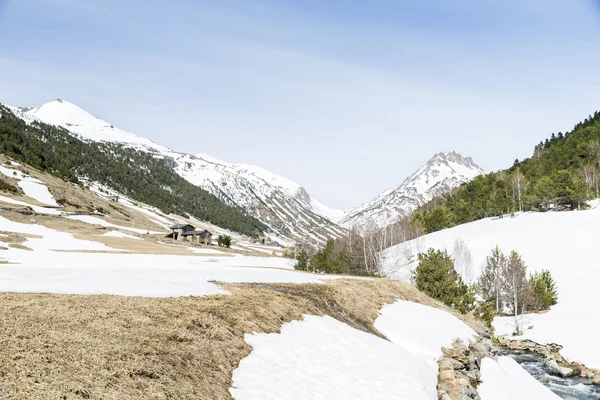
pixel 281 204
pixel 284 206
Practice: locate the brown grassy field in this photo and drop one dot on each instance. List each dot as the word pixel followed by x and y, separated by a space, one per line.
pixel 112 347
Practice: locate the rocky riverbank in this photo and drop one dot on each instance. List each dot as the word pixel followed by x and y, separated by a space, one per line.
pixel 459 369
pixel 551 353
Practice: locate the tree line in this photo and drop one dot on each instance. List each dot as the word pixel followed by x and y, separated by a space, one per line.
pixel 563 173
pixel 133 173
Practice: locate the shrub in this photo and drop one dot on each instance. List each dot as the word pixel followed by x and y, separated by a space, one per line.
pixel 224 241
pixel 7 187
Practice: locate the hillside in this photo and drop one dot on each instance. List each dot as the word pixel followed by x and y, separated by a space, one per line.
pixel 563 172
pixel 126 170
pixel 278 203
pixel 561 242
pixel 437 176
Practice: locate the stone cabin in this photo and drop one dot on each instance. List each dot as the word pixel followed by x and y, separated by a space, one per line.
pixel 190 233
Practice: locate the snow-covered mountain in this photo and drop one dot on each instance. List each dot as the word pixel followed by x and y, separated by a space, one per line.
pixel 283 205
pixel 439 175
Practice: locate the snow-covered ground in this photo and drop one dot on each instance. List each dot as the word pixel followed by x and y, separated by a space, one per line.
pixel 564 243
pixel 322 358
pixel 46 270
pixel 505 379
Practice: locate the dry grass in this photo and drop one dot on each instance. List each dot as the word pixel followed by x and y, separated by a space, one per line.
pixel 112 347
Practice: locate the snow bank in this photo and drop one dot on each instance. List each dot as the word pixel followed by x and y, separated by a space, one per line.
pixel 421 329
pixel 505 379
pixel 50 239
pixel 563 242
pixel 38 191
pixel 322 358
pixel 32 187
pixel 37 209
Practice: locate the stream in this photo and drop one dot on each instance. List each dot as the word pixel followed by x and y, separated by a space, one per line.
pixel 573 388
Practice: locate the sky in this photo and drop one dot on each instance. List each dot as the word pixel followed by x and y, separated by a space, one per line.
pixel 345 97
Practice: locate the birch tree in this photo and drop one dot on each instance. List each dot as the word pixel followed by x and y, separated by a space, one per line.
pixel 518 183
pixel 516 286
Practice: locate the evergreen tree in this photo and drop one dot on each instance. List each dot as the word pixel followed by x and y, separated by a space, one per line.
pixel 302 260
pixel 435 276
pixel 545 294
pixel 224 241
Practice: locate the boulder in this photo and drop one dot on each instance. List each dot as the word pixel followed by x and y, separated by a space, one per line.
pixel 449 364
pixel 558 370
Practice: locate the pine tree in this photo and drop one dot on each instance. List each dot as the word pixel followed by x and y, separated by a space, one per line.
pixel 302 260
pixel 435 276
pixel 545 293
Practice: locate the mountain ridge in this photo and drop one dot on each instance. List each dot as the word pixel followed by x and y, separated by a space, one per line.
pixel 283 205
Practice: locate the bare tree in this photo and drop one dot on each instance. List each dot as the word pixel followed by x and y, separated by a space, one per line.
pixel 516 287
pixel 462 260
pixel 518 183
pixel 594 169
pixel 490 282
pixel 590 175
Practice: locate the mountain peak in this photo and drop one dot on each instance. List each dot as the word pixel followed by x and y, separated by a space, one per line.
pixel 63 113
pixel 438 175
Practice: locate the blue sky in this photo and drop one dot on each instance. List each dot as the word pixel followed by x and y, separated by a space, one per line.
pixel 345 97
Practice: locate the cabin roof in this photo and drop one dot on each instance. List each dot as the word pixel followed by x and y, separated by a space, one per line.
pixel 180 226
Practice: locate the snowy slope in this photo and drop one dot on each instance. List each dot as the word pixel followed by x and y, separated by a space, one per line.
pixel 439 175
pixel 280 203
pixel 564 243
pixel 322 358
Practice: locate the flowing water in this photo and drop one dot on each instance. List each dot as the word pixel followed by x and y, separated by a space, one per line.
pixel 573 388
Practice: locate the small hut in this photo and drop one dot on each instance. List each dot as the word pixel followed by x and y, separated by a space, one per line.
pixel 178 231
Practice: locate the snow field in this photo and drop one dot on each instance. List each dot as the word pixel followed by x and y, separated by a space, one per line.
pixel 45 270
